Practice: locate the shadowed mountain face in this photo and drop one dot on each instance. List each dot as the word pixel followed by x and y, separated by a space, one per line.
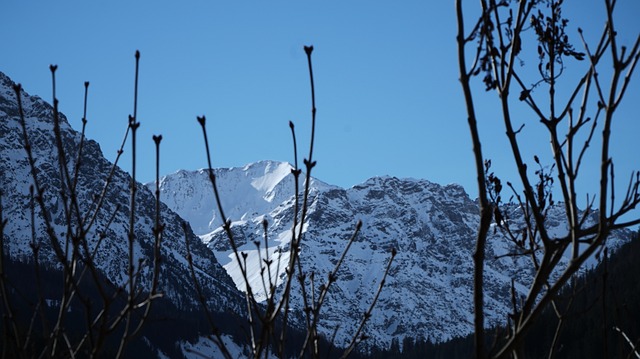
pixel 429 291
pixel 112 218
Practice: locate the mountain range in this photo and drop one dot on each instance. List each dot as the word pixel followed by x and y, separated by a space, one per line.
pixel 432 227
pixel 426 295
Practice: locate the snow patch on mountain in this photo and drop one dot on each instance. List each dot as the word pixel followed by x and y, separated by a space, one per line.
pixel 204 347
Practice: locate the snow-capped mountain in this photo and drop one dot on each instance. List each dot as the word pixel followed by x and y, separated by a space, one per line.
pixel 433 227
pixel 427 293
pixel 112 220
pixel 247 193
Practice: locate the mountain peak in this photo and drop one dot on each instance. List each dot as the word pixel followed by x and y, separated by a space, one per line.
pixel 38 113
pixel 257 187
pixel 266 175
pixel 5 82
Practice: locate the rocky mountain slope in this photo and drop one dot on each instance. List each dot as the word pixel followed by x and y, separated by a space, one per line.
pixel 428 292
pixel 112 219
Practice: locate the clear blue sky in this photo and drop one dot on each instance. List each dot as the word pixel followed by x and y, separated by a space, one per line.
pixel 388 97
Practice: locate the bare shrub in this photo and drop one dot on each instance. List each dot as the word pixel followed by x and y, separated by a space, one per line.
pixel 491 50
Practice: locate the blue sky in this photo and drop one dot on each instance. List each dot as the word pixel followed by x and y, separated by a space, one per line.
pixel 388 97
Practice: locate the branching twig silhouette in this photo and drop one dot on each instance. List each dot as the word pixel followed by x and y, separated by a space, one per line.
pixel 76 256
pixel 263 317
pixel 502 32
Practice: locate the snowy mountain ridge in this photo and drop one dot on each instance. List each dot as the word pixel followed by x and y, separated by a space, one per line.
pixel 108 236
pixel 433 227
pixel 256 189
